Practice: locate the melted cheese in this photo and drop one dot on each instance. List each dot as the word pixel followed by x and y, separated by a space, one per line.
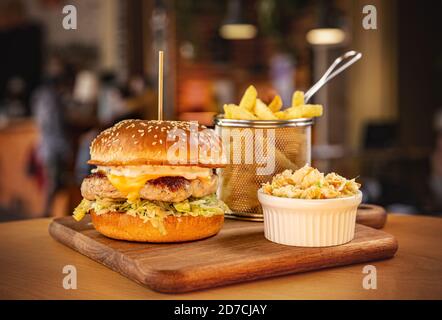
pixel 130 186
pixel 129 180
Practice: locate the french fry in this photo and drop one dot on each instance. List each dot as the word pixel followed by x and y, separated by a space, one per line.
pixel 280 115
pixel 263 112
pixel 298 99
pixel 249 98
pixel 228 111
pixel 311 110
pixel 276 104
pixel 292 113
pixel 252 108
pixel 282 161
pixel 232 111
pixel 305 111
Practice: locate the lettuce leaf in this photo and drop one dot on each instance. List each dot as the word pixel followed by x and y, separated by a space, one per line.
pixel 153 210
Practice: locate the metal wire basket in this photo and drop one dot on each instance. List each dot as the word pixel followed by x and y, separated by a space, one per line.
pixel 273 146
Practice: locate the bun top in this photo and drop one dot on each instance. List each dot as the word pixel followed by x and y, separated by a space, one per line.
pixel 156 142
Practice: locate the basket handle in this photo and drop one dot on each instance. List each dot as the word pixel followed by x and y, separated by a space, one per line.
pixel 331 72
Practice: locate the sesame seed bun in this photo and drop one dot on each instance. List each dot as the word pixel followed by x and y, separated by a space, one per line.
pixel 147 142
pixel 178 229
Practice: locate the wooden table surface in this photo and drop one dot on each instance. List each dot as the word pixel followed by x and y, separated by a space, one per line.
pixel 31 265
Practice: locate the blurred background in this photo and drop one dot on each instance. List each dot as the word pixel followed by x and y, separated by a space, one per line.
pixel 59 88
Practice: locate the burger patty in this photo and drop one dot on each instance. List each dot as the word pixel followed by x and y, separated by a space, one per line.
pixel 169 189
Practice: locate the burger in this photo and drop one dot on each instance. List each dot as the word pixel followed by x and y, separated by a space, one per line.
pixel 154 181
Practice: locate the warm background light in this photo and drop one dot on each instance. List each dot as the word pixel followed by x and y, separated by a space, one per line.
pixel 325 36
pixel 238 31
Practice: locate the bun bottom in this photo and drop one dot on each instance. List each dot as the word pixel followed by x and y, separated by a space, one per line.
pixel 122 226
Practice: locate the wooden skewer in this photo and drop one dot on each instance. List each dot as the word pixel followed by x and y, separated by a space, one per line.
pixel 160 85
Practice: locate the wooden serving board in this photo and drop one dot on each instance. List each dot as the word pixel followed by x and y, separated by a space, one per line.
pixel 238 253
pixel 371 215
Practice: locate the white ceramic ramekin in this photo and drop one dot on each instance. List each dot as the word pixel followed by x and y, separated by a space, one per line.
pixel 309 223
